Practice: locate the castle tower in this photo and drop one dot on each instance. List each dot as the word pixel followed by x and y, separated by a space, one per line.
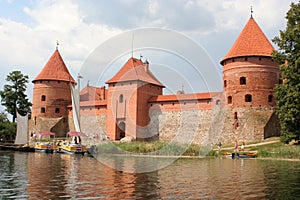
pixel 51 95
pixel 127 105
pixel 250 74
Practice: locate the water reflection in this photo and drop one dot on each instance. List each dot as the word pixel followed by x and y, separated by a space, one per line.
pixel 61 176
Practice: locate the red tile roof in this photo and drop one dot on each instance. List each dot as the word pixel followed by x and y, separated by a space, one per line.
pixel 91 103
pixel 55 69
pixel 180 97
pixel 134 69
pixel 251 42
pixel 90 93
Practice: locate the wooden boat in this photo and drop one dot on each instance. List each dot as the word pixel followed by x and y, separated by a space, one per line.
pixel 75 146
pixel 248 154
pixel 47 147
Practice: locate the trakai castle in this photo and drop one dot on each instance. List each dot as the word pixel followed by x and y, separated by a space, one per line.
pixel 133 104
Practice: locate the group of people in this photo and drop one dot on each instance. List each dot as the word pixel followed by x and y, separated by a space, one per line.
pixel 236 146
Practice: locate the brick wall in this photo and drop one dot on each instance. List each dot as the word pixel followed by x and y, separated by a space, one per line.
pixel 53 96
pixel 254 77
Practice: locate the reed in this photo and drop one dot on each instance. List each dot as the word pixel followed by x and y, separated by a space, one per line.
pixel 153 148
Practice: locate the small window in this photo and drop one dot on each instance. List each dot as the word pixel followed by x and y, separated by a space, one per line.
pixel 58 82
pixel 259 58
pixel 121 98
pixel 229 99
pixel 270 98
pixel 43 98
pixel 235 116
pixel 232 60
pixel 248 98
pixel 243 80
pixel 218 102
pixel 43 110
pixel 246 59
pixel 225 83
pixel 57 110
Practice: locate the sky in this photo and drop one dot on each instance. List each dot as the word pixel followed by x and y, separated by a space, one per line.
pixel 88 29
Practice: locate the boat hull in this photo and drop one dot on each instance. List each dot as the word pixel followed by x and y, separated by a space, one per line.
pixel 250 154
pixel 45 147
pixel 73 149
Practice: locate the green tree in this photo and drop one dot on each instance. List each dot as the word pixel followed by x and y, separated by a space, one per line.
pixel 7 129
pixel 13 96
pixel 288 93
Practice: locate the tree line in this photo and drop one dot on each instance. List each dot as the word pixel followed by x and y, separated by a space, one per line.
pixel 14 99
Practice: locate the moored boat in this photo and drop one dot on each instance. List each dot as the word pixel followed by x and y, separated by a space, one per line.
pixel 75 146
pixel 47 147
pixel 248 154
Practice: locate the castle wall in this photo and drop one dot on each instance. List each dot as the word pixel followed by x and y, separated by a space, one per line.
pixel 58 125
pixel 94 126
pixel 210 126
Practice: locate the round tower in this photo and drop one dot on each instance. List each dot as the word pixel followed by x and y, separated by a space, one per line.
pixel 51 94
pixel 250 74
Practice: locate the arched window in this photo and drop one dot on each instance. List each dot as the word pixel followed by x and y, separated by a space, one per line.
pixel 43 98
pixel 270 98
pixel 242 80
pixel 218 102
pixel 43 110
pixel 121 98
pixel 248 98
pixel 57 110
pixel 229 99
pixel 235 116
pixel 225 83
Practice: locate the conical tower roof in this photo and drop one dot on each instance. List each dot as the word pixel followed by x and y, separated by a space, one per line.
pixel 55 69
pixel 251 42
pixel 134 69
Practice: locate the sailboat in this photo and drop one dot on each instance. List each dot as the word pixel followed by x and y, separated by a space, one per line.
pixel 22 129
pixel 75 146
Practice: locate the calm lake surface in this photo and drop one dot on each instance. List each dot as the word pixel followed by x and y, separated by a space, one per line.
pixel 61 176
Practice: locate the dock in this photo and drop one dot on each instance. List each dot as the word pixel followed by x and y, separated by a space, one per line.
pixel 16 147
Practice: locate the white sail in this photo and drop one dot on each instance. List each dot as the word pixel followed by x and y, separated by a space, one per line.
pixel 76 107
pixel 22 129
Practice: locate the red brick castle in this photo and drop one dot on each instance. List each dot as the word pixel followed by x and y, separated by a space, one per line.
pixel 134 105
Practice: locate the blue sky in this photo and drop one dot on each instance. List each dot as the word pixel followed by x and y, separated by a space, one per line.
pixel 29 29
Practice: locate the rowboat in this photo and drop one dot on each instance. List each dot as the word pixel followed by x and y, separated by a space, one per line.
pixel 248 154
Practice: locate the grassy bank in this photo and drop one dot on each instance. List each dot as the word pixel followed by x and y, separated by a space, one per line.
pixel 154 148
pixel 278 150
pixel 274 150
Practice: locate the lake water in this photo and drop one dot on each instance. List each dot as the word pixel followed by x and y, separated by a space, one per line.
pixel 61 176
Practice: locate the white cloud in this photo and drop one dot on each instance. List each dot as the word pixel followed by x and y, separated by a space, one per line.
pixel 80 26
pixel 27 47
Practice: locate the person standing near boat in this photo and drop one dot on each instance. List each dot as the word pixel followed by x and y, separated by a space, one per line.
pixel 236 147
pixel 243 146
pixel 219 146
